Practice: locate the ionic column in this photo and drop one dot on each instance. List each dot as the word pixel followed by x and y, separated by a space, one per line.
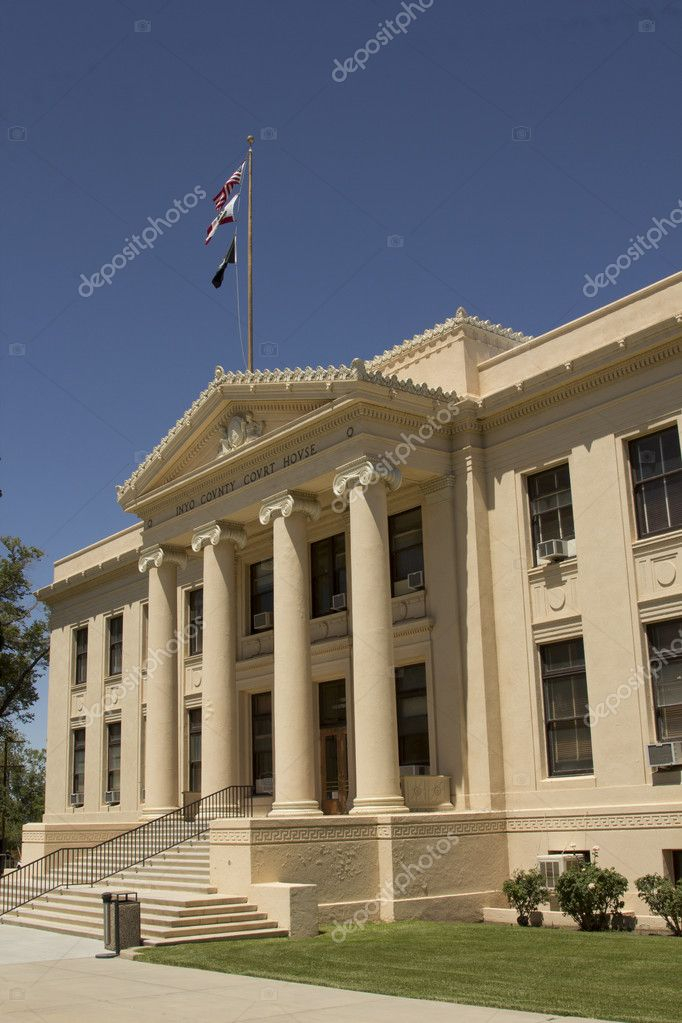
pixel 294 723
pixel 374 702
pixel 219 719
pixel 161 737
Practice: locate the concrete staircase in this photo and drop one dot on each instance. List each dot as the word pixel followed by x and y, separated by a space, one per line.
pixel 177 903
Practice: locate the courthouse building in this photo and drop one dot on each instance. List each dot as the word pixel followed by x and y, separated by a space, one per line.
pixel 427 605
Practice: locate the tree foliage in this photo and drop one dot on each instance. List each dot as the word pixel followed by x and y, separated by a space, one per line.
pixel 22 787
pixel 664 898
pixel 24 642
pixel 591 894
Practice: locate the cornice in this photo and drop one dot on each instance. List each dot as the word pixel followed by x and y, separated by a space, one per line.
pixel 215 532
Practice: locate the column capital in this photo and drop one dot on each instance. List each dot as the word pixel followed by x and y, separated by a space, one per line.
pixel 216 532
pixel 289 502
pixel 156 556
pixel 366 470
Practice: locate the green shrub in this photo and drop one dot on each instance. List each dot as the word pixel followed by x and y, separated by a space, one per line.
pixel 590 895
pixel 525 890
pixel 664 898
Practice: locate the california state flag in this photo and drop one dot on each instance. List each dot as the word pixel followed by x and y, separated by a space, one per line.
pixel 228 215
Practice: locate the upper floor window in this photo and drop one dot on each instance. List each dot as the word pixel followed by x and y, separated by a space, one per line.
pixel 80 656
pixel 551 507
pixel 564 684
pixel 657 481
pixel 413 722
pixel 262 594
pixel 665 659
pixel 328 574
pixel 406 550
pixel 114 762
pixel 145 636
pixel 195 616
pixel 78 765
pixel 115 644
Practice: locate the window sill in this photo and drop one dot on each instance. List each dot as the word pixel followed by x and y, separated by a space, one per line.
pixel 113 678
pixel 670 538
pixel 539 571
pixel 569 781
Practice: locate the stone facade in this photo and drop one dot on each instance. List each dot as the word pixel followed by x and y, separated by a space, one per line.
pixel 438 728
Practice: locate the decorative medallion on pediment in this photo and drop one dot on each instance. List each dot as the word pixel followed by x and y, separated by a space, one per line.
pixel 240 430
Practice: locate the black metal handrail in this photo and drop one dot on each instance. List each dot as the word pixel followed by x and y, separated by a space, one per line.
pixel 86 865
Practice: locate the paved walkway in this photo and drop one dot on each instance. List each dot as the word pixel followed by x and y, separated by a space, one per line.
pixel 52 978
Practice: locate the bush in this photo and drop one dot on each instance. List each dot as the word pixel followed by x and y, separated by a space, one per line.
pixel 525 890
pixel 590 895
pixel 664 898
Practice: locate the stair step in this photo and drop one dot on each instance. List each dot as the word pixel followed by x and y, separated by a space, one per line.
pixel 215 930
pixel 234 936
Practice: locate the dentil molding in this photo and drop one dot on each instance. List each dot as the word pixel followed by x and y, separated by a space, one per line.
pixel 287 503
pixel 214 532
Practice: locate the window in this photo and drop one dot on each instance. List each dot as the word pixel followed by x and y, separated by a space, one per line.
pixel 413 723
pixel 676 859
pixel 80 658
pixel 145 636
pixel 194 727
pixel 665 660
pixel 551 506
pixel 261 590
pixel 115 665
pixel 564 683
pixel 407 555
pixel 114 760
pixel 143 755
pixel 327 572
pixel 196 623
pixel 657 481
pixel 78 763
pixel 261 742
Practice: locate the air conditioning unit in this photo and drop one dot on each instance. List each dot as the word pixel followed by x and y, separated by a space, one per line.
pixel 555 550
pixel 112 796
pixel 76 799
pixel 665 754
pixel 415 581
pixel 553 865
pixel 263 620
pixel 339 602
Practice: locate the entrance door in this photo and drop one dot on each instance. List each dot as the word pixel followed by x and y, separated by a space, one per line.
pixel 333 747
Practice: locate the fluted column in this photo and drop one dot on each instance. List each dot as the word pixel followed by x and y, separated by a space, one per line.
pixel 161 737
pixel 294 723
pixel 365 482
pixel 219 719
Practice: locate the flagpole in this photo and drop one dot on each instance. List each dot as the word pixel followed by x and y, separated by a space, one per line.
pixel 249 261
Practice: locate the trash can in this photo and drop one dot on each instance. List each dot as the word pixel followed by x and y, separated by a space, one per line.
pixel 121 920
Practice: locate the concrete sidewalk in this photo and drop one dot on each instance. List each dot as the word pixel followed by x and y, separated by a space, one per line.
pixel 56 979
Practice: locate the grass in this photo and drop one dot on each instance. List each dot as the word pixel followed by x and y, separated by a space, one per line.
pixel 628 977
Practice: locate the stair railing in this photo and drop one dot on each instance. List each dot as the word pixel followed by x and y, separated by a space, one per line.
pixel 86 865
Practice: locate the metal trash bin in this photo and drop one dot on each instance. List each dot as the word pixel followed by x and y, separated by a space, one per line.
pixel 121 920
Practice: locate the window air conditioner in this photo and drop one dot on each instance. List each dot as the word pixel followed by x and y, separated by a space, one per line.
pixel 554 865
pixel 665 754
pixel 339 602
pixel 263 620
pixel 112 796
pixel 415 581
pixel 76 799
pixel 555 550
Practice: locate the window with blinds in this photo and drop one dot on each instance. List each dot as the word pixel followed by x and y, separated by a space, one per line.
pixel 665 659
pixel 115 632
pixel 261 742
pixel 262 589
pixel 406 548
pixel 564 684
pixel 656 468
pixel 551 506
pixel 114 758
pixel 413 721
pixel 327 572
pixel 195 620
pixel 78 762
pixel 194 749
pixel 80 658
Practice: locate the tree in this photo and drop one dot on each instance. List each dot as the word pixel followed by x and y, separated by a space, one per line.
pixel 22 788
pixel 525 890
pixel 663 897
pixel 24 643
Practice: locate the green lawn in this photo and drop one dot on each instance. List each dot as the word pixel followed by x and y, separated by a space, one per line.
pixel 615 976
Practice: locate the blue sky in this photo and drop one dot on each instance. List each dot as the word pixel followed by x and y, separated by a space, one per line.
pixel 511 148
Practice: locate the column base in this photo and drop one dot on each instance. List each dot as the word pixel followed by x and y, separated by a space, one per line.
pixel 371 806
pixel 299 808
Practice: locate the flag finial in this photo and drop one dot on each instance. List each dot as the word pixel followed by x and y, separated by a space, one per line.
pixel 250 139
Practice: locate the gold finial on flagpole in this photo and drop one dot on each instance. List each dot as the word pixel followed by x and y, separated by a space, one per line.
pixel 249 262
